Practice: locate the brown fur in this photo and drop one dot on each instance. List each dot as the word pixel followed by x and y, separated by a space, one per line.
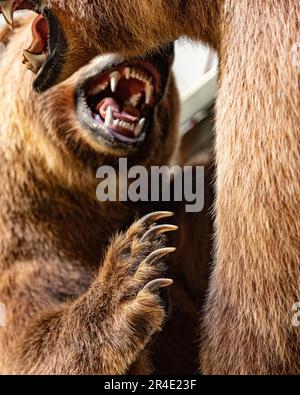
pixel 256 279
pixel 74 299
pixel 62 315
pixel 131 27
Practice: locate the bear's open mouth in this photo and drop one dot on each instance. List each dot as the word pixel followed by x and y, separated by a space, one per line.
pixel 117 103
pixel 37 53
pixel 45 53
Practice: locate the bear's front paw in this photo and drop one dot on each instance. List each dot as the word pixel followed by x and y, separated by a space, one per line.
pixel 132 275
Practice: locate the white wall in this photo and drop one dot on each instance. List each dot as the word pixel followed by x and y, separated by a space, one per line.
pixel 192 61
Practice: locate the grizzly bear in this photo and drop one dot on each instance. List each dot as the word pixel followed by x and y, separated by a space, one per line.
pixel 248 325
pixel 82 281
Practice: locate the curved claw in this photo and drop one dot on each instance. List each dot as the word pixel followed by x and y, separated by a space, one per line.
pixel 157 284
pixel 7 9
pixel 159 254
pixel 159 229
pixel 156 216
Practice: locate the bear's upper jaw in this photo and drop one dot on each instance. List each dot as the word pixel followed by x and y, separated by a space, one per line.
pixel 48 47
pixel 117 103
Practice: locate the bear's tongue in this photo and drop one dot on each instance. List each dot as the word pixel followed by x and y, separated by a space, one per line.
pixel 116 118
pixel 128 114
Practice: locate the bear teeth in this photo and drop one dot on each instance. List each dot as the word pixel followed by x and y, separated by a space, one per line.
pixel 115 77
pixel 131 72
pixel 7 9
pixel 34 61
pixel 111 122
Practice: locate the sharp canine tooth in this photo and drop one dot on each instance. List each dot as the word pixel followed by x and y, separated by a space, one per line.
pixel 35 60
pixel 29 66
pixel 149 93
pixel 114 80
pixel 8 12
pixel 109 119
pixel 139 127
pixel 127 73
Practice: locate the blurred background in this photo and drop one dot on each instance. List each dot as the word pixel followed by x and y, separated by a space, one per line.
pixel 196 73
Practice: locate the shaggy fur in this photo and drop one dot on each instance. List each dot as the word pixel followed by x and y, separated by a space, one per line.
pixel 130 27
pixel 256 278
pixel 72 282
